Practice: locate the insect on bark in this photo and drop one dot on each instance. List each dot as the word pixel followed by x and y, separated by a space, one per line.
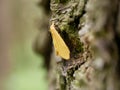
pixel 60 46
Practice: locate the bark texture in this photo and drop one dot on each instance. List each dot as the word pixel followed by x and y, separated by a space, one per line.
pixel 91 29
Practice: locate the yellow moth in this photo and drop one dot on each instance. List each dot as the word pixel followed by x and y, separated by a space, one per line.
pixel 61 48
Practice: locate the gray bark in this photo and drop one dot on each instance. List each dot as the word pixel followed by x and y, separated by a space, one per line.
pixel 95 26
pixel 91 30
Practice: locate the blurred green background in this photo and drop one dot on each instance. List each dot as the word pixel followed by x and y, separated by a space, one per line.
pixel 27 72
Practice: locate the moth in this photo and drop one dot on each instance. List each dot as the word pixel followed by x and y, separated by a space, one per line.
pixel 60 46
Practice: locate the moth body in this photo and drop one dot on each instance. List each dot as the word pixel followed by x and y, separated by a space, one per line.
pixel 60 46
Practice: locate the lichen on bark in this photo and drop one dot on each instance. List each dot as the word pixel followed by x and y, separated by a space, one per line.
pixel 69 18
pixel 89 28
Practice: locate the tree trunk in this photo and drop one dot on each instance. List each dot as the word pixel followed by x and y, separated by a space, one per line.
pixel 91 30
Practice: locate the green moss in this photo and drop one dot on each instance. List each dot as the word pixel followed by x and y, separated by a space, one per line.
pixel 70 35
pixel 62 83
pixel 57 1
pixel 79 83
pixel 70 72
pixel 101 33
pixel 63 1
pixel 82 83
pixel 69 77
pixel 67 20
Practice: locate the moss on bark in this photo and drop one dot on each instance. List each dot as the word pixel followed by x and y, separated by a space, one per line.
pixel 89 29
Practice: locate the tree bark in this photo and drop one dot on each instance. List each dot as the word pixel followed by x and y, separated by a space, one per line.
pixel 91 30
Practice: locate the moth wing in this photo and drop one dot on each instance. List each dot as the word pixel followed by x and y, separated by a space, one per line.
pixel 59 44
